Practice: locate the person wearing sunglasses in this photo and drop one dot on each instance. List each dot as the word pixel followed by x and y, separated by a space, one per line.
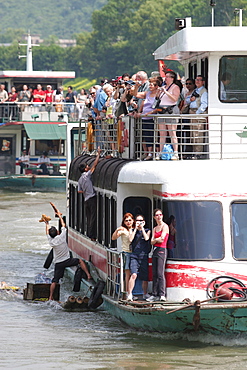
pixel 159 241
pixel 125 231
pixel 141 248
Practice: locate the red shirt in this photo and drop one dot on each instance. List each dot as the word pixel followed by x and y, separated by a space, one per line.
pixel 12 97
pixel 38 92
pixel 49 94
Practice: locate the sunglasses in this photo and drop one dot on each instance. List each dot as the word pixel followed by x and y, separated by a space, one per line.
pixel 188 83
pixel 158 215
pixel 129 220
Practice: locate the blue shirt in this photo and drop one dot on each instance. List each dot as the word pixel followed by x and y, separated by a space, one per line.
pixel 203 101
pixel 100 100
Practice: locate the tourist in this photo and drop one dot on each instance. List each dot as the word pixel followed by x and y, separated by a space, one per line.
pixel 81 101
pixel 125 231
pixel 38 96
pixel 159 241
pixel 24 97
pixel 198 105
pixel 168 105
pixel 12 106
pixel 140 244
pixel 3 99
pixel 48 98
pixel 98 107
pixel 70 99
pixel 146 109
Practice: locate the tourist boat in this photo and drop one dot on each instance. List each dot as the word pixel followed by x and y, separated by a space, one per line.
pixel 208 198
pixel 26 126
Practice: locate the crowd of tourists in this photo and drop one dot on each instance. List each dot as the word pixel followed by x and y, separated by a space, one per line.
pixel 143 98
pixel 139 96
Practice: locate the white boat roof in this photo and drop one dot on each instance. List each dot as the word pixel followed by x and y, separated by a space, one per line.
pixel 38 74
pixel 221 177
pixel 196 40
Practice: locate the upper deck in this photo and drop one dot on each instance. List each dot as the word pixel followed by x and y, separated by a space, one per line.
pixel 190 42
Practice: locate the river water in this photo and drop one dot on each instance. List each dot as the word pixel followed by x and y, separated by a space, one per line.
pixel 44 336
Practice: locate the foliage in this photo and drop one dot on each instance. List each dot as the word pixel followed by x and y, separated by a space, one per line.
pixel 79 83
pixel 61 18
pixel 121 38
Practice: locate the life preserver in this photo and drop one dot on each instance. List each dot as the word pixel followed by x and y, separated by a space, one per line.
pixel 95 299
pixel 90 141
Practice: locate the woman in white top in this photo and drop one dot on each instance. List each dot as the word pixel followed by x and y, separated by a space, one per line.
pixel 125 230
pixel 169 97
pixel 81 101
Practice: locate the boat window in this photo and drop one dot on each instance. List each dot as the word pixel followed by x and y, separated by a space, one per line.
pixel 52 147
pixel 233 79
pixel 139 205
pixel 113 220
pixel 192 69
pixel 72 213
pixel 239 229
pixel 100 217
pixel 199 229
pixel 107 237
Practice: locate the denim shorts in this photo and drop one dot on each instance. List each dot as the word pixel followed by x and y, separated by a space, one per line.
pixel 139 265
pixel 126 260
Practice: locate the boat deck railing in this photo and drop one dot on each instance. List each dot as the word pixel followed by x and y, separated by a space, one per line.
pixel 115 277
pixel 30 111
pixel 204 136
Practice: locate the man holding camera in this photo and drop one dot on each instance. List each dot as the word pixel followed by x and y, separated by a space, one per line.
pixel 141 247
pixel 198 105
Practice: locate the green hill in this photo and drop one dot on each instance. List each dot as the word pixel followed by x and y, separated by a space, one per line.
pixel 61 18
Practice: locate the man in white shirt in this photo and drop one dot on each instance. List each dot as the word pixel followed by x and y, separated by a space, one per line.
pixel 23 161
pixel 198 105
pixel 61 255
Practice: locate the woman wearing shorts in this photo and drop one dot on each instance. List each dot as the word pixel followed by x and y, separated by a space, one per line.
pixel 125 230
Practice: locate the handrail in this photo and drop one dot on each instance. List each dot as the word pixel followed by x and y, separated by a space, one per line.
pixel 115 276
pixel 215 137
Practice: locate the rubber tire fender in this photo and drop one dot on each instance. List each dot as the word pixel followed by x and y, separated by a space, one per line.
pixel 96 294
pixel 79 274
pixel 48 260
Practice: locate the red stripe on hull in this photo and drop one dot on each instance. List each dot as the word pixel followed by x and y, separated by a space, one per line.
pixel 88 250
pixel 189 196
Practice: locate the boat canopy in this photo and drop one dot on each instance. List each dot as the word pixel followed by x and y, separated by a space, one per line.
pixel 194 41
pixel 45 130
pixel 106 173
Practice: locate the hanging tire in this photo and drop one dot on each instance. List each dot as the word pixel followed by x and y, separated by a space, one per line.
pixel 95 299
pixel 48 260
pixel 79 274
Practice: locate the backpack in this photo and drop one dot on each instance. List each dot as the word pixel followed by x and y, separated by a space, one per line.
pixel 167 152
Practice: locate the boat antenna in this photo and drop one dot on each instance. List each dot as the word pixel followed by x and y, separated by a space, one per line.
pixel 238 12
pixel 29 56
pixel 212 4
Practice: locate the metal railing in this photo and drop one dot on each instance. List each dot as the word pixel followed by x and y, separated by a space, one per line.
pixel 40 111
pixel 194 136
pixel 115 276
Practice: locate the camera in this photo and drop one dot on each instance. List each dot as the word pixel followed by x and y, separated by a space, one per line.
pixel 130 82
pixel 139 223
pixel 195 94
